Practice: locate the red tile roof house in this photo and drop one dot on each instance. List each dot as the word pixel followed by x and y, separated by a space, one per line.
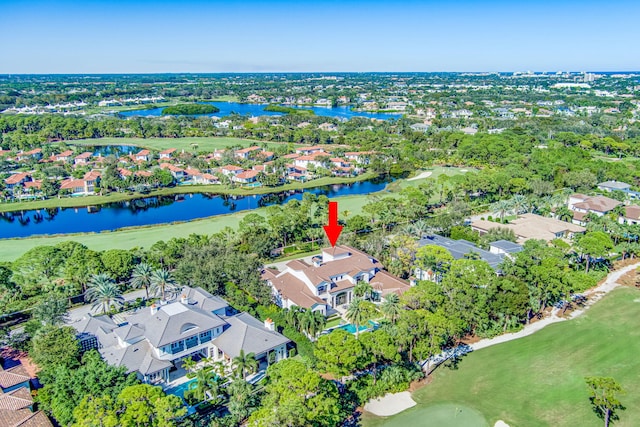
pixel 305 151
pixel 82 159
pixel 65 156
pixel 205 178
pixel 329 281
pixel 166 154
pixel 231 170
pixel 17 179
pixel 36 153
pixel 177 172
pixel 124 173
pixel 248 152
pixel 142 156
pixel 245 177
pixel 84 186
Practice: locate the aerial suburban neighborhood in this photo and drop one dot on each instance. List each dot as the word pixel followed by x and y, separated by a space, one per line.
pixel 221 214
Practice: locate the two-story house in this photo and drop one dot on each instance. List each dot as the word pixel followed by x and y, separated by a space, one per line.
pixel 154 339
pixel 330 279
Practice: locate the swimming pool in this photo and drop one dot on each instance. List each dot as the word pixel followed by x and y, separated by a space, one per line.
pixel 352 328
pixel 180 389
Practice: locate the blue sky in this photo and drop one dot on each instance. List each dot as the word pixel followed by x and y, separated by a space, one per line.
pixel 258 36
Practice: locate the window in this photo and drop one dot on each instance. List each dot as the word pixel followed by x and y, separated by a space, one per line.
pixel 177 347
pixel 205 336
pixel 191 341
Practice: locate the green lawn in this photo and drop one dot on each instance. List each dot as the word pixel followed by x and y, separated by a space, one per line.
pixel 204 144
pixel 539 380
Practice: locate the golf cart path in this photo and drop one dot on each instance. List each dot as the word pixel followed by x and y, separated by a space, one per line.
pixel 593 295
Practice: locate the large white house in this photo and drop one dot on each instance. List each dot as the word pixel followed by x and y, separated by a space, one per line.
pixel 330 279
pixel 153 339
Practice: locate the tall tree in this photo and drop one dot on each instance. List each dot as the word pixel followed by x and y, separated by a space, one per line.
pixel 359 312
pixel 604 392
pixel 244 363
pixel 161 280
pixel 141 277
pixel 103 292
pixel 390 307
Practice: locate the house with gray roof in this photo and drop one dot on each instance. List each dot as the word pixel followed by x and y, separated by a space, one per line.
pixel 461 249
pixel 153 340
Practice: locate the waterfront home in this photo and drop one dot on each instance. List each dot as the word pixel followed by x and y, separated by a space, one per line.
pixel 82 159
pixel 329 280
pixel 154 340
pixel 205 178
pixel 231 170
pixel 142 156
pixel 65 156
pixel 176 172
pixel 245 177
pixel 17 179
pixel 167 154
pixel 81 187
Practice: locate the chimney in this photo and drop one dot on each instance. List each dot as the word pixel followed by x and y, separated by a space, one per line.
pixel 269 325
pixel 183 299
pixel 154 309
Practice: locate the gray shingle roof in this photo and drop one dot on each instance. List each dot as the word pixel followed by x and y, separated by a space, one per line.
pixel 507 246
pixel 249 334
pixel 202 299
pixel 136 357
pixel 459 248
pixel 174 321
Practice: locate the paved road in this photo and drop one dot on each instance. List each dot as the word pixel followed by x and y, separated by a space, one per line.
pixel 78 313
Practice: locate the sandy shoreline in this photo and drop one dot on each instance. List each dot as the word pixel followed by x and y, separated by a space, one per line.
pixel 421 176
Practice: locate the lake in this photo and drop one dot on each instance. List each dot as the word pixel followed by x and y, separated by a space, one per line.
pixel 158 210
pixel 227 108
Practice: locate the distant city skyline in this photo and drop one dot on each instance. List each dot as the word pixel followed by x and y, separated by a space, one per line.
pixel 324 36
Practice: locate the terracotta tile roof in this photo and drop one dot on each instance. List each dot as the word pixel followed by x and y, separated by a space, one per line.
pixel 124 172
pixel 232 168
pixel 84 155
pixel 247 174
pixel 144 173
pixel 35 184
pixel 68 184
pixel 34 151
pixel 168 151
pixel 291 156
pixel 248 149
pixel 16 178
pixel 92 175
pixel 65 153
pixel 143 153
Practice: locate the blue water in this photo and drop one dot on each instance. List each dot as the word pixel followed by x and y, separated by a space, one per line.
pixel 227 108
pixel 352 328
pixel 116 150
pixel 180 389
pixel 157 210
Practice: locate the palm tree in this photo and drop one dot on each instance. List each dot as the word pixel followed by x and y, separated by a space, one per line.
pixel 501 207
pixel 103 291
pixel 312 322
pixel 189 364
pixel 390 307
pixel 206 381
pixel 161 280
pixel 244 363
pixel 519 203
pixel 357 313
pixel 141 277
pixel 362 290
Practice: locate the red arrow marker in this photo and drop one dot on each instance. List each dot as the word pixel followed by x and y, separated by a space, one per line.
pixel 333 230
